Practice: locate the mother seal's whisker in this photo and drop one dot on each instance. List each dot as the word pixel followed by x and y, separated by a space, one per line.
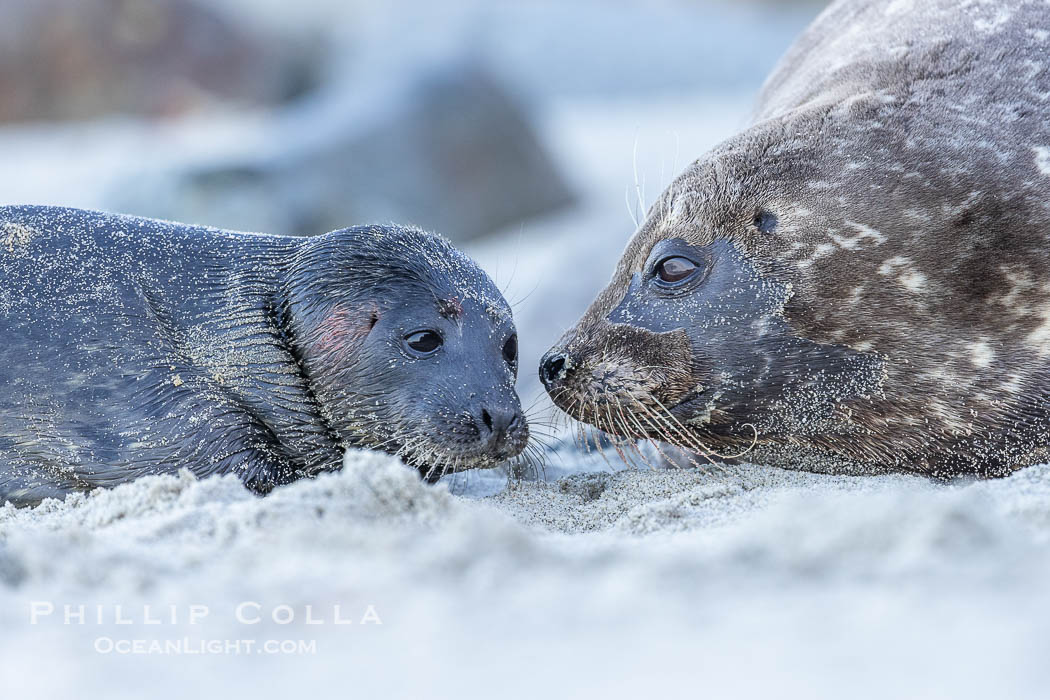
pixel 671 436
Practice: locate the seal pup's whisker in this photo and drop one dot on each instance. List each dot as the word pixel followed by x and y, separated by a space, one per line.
pixel 505 287
pixel 525 298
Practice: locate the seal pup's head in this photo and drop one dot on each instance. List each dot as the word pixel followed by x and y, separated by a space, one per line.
pixel 408 347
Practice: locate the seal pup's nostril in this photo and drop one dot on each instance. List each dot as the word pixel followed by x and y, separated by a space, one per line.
pixel 551 368
pixel 499 424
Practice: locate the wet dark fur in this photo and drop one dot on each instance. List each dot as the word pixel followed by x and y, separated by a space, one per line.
pixel 135 347
pixel 878 238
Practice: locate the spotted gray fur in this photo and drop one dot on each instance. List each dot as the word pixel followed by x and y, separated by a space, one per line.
pixel 900 313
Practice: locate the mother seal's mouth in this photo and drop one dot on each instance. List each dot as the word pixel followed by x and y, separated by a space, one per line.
pixel 695 395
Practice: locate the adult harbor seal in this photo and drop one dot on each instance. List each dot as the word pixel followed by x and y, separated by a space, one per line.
pixel 862 272
pixel 134 346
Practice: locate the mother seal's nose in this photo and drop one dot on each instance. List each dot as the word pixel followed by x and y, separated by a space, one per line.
pixel 553 367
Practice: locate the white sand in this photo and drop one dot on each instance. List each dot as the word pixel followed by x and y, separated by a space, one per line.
pixel 757 581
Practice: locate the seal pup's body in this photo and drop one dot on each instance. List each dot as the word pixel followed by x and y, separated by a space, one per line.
pixel 870 258
pixel 134 346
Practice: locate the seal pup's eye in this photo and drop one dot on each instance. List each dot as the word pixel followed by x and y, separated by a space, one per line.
pixel 510 350
pixel 675 269
pixel 423 343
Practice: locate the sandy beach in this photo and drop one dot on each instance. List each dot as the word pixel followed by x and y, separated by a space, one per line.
pixel 755 580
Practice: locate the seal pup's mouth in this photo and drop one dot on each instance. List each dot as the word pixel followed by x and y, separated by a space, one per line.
pixel 434 462
pixel 463 445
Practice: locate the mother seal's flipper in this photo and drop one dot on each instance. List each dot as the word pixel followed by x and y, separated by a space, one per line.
pixel 142 347
pixel 860 276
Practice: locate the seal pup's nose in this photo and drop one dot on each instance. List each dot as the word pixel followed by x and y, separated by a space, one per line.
pixel 553 368
pixel 497 424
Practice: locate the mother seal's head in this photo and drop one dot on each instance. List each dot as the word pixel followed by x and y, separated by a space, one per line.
pixel 862 271
pixel 408 347
pixel 692 342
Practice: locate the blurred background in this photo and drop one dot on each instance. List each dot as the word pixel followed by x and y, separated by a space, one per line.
pixel 532 133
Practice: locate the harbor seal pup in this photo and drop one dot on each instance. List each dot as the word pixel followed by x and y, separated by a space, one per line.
pixel 134 346
pixel 861 275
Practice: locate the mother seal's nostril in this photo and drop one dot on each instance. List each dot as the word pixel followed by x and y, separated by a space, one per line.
pixel 552 367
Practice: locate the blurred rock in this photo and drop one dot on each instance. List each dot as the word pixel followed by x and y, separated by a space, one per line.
pixel 75 59
pixel 446 149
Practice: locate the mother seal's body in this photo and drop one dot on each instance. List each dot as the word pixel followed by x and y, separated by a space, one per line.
pixel 864 272
pixel 135 347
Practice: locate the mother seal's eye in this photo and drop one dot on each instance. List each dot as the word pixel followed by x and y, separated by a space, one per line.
pixel 510 350
pixel 675 269
pixel 423 342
